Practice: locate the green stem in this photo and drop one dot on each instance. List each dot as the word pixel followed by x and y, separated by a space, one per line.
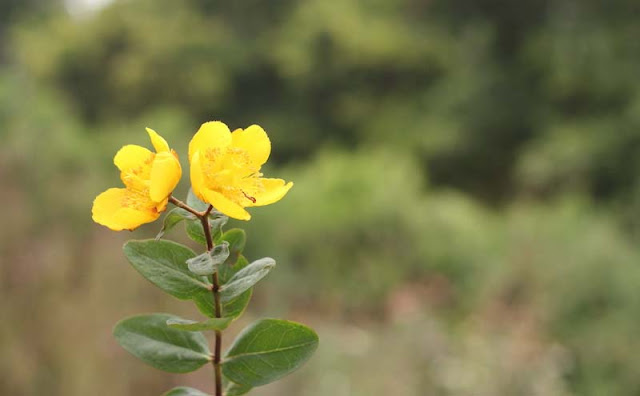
pixel 217 368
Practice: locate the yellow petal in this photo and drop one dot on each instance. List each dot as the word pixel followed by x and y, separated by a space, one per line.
pixel 255 142
pixel 132 157
pixel 212 134
pixel 165 175
pixel 197 177
pixel 162 205
pixel 272 191
pixel 158 141
pixel 109 210
pixel 130 218
pixel 225 205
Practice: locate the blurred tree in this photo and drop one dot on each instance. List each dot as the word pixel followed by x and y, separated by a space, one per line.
pixel 513 103
pixel 12 10
pixel 468 86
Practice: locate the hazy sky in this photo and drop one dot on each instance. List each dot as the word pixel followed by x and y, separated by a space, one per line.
pixel 81 7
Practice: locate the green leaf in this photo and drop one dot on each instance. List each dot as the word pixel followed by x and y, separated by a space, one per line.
pixel 233 389
pixel 246 278
pixel 149 338
pixel 268 350
pixel 204 302
pixel 194 227
pixel 185 391
pixel 195 202
pixel 237 239
pixel 196 232
pixel 207 263
pixel 231 309
pixel 192 325
pixel 227 270
pixel 236 307
pixel 173 217
pixel 164 264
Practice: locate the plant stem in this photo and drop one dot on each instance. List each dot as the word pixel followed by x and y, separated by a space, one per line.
pixel 188 208
pixel 204 218
pixel 217 354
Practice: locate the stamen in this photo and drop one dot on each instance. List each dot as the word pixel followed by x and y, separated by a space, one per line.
pixel 252 199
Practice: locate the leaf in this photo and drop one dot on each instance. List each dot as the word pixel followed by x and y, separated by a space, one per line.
pixel 237 239
pixel 192 325
pixel 164 264
pixel 204 302
pixel 227 270
pixel 268 350
pixel 231 309
pixel 233 389
pixel 149 338
pixel 235 308
pixel 196 232
pixel 195 202
pixel 173 217
pixel 185 391
pixel 207 263
pixel 246 278
pixel 194 227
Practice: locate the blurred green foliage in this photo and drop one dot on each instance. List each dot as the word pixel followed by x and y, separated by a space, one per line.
pixel 466 200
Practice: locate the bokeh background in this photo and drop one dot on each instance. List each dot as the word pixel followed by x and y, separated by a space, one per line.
pixel 466 212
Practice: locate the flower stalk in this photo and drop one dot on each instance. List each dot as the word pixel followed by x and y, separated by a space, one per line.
pixel 217 352
pixel 217 369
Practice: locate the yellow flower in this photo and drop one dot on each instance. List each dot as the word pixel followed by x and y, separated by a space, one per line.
pixel 149 179
pixel 225 169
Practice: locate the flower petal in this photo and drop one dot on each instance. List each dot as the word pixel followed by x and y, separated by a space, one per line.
pixel 130 218
pixel 212 134
pixel 132 157
pixel 255 141
pixel 197 176
pixel 165 175
pixel 109 210
pixel 272 190
pixel 158 141
pixel 162 205
pixel 225 205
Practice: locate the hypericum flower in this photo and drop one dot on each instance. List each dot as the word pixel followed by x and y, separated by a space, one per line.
pixel 149 179
pixel 225 169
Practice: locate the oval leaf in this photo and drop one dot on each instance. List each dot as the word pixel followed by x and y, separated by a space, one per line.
pixel 173 217
pixel 246 278
pixel 207 263
pixel 164 264
pixel 268 350
pixel 196 232
pixel 192 325
pixel 230 309
pixel 234 308
pixel 195 202
pixel 237 239
pixel 150 339
pixel 233 389
pixel 227 270
pixel 194 227
pixel 185 391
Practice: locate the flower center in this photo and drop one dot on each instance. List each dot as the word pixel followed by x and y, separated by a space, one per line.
pixel 138 200
pixel 137 179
